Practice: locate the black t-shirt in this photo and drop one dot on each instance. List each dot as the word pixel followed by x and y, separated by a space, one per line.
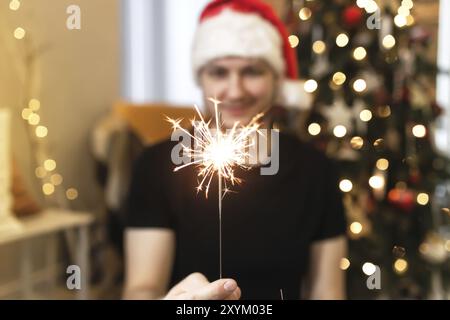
pixel 268 223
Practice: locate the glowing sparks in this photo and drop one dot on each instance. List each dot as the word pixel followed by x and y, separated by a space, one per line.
pixel 218 153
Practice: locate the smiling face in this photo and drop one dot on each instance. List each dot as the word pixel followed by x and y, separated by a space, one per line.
pixel 245 87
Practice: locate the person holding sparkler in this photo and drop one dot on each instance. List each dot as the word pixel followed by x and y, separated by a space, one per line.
pixel 281 232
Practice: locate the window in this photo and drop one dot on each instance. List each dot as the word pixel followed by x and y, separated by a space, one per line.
pixel 156 50
pixel 443 78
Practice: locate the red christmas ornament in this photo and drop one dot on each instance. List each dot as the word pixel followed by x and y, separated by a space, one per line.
pixel 352 16
pixel 402 199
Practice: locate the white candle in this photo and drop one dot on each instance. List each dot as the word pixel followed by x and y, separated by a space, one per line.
pixel 5 165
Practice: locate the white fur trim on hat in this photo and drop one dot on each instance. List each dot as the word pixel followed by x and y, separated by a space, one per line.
pixel 233 33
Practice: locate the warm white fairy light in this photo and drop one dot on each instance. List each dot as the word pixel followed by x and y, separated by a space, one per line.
pixel 371 6
pixel 378 143
pixel 365 115
pixel 339 78
pixel 403 11
pixel 310 85
pixel 361 3
pixel 359 85
pixel 319 47
pixel 26 112
pixel 34 104
pixel 382 164
pixel 359 53
pixel 314 129
pixel 14 5
pixel 409 4
pixel 71 193
pixel 344 264
pixel 356 227
pixel 50 165
pixel 305 13
pixel 423 198
pixel 357 142
pixel 48 189
pixel 56 179
pixel 34 119
pixel 41 131
pixel 419 131
pixel 376 182
pixel 345 185
pixel 40 172
pixel 342 40
pixel 400 20
pixel 400 266
pixel 339 131
pixel 19 33
pixel 388 41
pixel 293 40
pixel 410 20
pixel 369 268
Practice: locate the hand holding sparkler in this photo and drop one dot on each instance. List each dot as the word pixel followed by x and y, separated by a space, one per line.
pixel 197 287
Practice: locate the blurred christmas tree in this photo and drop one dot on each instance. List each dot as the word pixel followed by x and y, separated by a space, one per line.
pixel 374 112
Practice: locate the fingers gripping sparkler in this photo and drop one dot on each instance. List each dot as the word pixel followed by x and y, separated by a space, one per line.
pixel 218 153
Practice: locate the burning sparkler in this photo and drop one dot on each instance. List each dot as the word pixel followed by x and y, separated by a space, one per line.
pixel 217 152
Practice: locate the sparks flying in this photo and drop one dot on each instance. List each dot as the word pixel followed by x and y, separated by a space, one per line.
pixel 216 152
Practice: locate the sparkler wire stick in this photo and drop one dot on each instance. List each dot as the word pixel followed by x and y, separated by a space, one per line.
pixel 219 177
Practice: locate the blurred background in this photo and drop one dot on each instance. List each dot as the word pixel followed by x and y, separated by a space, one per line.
pixel 84 84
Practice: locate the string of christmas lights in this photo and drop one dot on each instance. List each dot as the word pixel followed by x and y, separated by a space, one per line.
pixel 52 181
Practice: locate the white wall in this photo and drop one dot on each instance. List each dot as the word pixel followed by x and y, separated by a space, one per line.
pixel 156 39
pixel 181 19
pixel 141 51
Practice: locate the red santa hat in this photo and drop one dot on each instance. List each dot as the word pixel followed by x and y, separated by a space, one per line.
pixel 250 28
